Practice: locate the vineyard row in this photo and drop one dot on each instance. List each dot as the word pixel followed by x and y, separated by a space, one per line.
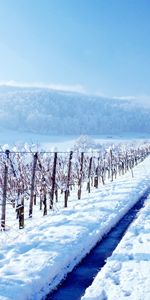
pixel 39 178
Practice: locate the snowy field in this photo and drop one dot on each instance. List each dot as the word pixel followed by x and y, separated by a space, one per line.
pixel 62 143
pixel 45 142
pixel 34 260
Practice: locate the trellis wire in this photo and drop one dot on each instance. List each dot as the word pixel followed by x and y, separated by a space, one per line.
pixel 45 172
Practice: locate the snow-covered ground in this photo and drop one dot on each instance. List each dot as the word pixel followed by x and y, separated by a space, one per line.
pixel 63 142
pixel 35 259
pixel 47 142
pixel 126 273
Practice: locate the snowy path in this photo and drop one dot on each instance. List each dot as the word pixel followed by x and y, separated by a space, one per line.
pixel 34 260
pixel 74 285
pixel 126 273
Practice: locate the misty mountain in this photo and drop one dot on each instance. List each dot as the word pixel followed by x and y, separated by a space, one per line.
pixel 46 111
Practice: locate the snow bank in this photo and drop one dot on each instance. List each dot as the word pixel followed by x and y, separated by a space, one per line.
pixel 126 273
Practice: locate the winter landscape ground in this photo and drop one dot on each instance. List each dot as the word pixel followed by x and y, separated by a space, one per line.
pixel 34 260
pixel 126 273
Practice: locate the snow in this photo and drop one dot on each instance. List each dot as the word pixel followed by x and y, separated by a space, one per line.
pixel 63 142
pixel 35 259
pixel 46 142
pixel 126 273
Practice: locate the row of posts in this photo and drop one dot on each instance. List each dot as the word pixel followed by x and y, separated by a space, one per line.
pixel 20 206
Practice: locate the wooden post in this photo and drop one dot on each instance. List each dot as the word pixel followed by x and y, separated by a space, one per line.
pixel 53 181
pixel 111 165
pixel 68 179
pixel 32 185
pixel 126 162
pixel 131 166
pixel 21 214
pixel 119 165
pixel 41 199
pixel 56 195
pixel 18 204
pixel 45 204
pixel 3 215
pixel 34 199
pixel 80 176
pixel 96 178
pixel 89 175
pixel 103 175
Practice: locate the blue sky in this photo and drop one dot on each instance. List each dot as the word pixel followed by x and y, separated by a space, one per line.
pixel 100 46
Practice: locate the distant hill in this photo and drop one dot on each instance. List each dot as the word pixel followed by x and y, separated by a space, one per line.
pixel 46 111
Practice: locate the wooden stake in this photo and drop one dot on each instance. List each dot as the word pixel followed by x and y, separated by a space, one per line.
pixel 68 179
pixel 89 175
pixel 80 176
pixel 3 215
pixel 45 204
pixel 21 214
pixel 53 181
pixel 32 185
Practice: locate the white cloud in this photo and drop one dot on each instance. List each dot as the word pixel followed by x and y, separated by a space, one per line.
pixel 125 97
pixel 61 87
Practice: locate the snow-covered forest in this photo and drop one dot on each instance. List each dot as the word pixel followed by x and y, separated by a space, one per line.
pixel 54 112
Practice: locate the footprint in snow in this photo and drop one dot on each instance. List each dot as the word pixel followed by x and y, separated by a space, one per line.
pixel 116 267
pixel 140 240
pixel 129 246
pixel 2 256
pixel 115 279
pixel 127 293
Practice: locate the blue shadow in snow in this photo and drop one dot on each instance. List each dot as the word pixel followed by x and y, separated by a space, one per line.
pixel 74 285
